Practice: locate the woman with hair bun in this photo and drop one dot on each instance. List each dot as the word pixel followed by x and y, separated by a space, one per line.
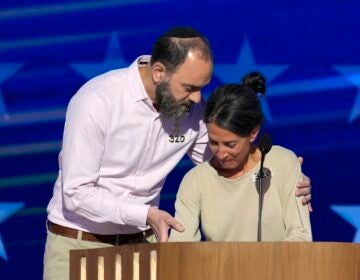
pixel 219 198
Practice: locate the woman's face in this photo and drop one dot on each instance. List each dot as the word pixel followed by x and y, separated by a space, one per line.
pixel 229 149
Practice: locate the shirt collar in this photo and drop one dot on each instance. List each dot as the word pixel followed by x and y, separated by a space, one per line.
pixel 138 90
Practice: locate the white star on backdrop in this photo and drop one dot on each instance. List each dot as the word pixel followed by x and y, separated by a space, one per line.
pixel 351 214
pixel 113 60
pixel 233 73
pixel 6 210
pixel 6 70
pixel 352 73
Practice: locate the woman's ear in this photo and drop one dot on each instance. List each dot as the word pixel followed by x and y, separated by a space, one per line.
pixel 158 72
pixel 254 133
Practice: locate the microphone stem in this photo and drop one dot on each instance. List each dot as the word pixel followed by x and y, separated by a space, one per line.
pixel 260 197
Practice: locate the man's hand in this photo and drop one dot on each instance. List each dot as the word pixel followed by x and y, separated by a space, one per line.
pixel 304 189
pixel 160 221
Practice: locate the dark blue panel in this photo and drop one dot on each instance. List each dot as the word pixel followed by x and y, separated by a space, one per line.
pixel 308 50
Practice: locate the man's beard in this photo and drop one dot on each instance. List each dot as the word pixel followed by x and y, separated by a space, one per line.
pixel 168 106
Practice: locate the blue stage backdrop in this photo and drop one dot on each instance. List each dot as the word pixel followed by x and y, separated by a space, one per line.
pixel 308 50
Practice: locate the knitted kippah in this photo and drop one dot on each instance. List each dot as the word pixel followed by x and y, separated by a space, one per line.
pixel 182 32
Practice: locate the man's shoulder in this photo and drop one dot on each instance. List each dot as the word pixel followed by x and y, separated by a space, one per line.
pixel 100 91
pixel 114 81
pixel 106 80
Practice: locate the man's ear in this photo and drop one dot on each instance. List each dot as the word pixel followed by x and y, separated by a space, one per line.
pixel 254 133
pixel 158 72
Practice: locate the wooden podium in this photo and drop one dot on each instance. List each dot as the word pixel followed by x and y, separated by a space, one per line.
pixel 219 261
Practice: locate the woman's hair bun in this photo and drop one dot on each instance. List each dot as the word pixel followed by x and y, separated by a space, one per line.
pixel 256 81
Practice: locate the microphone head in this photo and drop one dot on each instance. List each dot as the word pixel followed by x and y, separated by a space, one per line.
pixel 264 143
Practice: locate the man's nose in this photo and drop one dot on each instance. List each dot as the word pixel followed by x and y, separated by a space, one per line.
pixel 195 96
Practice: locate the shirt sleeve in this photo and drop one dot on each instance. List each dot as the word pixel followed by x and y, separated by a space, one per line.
pixel 83 146
pixel 296 215
pixel 187 210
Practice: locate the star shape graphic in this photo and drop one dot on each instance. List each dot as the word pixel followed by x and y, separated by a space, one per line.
pixel 233 73
pixel 113 60
pixel 351 214
pixel 7 209
pixel 6 70
pixel 352 73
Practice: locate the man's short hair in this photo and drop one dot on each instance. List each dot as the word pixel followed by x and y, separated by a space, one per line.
pixel 172 48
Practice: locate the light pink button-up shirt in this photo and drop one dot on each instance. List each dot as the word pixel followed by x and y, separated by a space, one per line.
pixel 116 154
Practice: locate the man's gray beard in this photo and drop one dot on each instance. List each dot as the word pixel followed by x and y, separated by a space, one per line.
pixel 167 104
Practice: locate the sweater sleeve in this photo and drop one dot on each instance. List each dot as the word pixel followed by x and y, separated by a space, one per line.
pixel 187 210
pixel 296 215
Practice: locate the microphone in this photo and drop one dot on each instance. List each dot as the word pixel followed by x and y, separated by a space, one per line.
pixel 264 145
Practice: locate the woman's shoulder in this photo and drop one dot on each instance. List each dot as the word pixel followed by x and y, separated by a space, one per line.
pixel 200 169
pixel 281 154
pixel 282 162
pixel 193 180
